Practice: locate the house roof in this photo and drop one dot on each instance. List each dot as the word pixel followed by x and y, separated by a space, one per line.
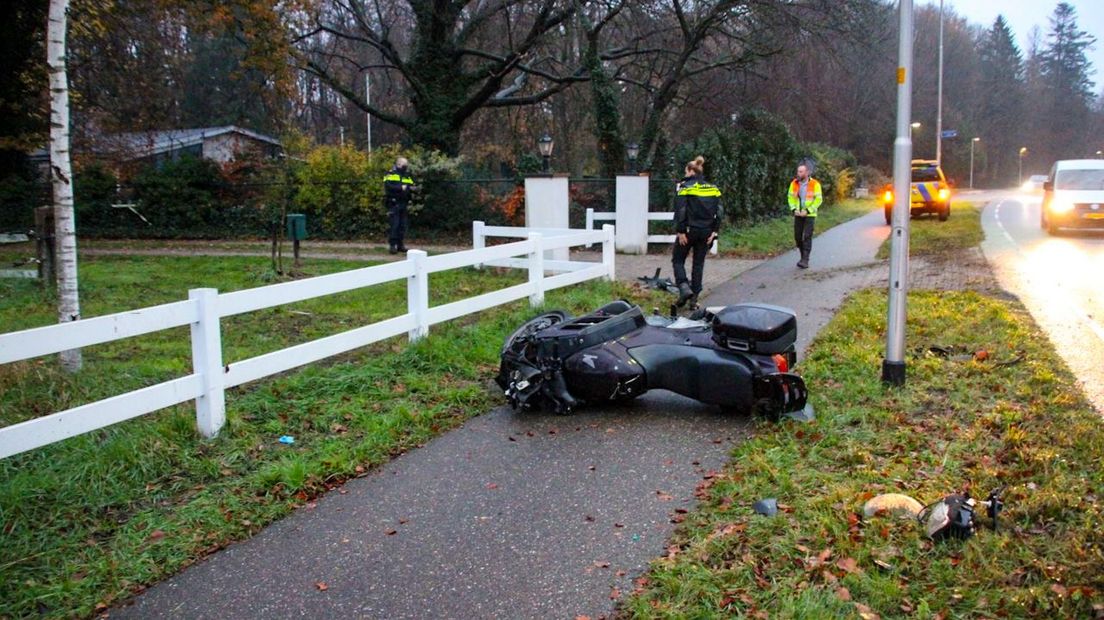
pixel 146 143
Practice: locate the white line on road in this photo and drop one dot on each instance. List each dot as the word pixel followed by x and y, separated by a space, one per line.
pixel 1080 313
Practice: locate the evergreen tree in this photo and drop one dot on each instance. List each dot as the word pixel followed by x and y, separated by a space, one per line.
pixel 1001 101
pixel 1067 89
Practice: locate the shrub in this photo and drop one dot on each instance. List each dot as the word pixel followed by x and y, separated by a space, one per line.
pixel 751 161
pixel 834 168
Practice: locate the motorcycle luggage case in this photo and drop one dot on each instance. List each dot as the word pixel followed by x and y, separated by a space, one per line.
pixel 755 328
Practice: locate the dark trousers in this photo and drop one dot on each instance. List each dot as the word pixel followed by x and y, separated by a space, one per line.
pixel 396 229
pixel 697 238
pixel 803 234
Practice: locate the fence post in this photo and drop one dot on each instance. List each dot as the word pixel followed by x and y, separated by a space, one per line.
pixel 417 295
pixel 479 239
pixel 536 269
pixel 608 252
pixel 589 221
pixel 207 362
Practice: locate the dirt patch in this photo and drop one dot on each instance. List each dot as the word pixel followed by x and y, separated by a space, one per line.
pixel 962 270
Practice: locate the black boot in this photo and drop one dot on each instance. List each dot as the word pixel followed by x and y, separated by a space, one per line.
pixel 392 250
pixel 685 294
pixel 804 262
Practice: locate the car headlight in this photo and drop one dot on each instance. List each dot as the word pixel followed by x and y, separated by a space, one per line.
pixel 1027 186
pixel 1059 205
pixel 944 194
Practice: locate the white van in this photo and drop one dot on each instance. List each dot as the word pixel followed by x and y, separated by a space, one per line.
pixel 1073 195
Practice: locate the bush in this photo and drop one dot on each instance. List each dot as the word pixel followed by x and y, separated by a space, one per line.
pixel 834 168
pixel 751 161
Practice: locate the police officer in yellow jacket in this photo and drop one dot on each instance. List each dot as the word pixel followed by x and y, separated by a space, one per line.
pixel 804 197
pixel 697 222
pixel 397 187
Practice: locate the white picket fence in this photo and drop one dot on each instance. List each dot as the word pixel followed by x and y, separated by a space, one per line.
pixel 205 307
pixel 593 216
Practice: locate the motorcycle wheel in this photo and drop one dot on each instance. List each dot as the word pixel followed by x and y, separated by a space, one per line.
pixel 515 343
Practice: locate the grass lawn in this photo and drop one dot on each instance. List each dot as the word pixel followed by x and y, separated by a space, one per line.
pixel 90 520
pixel 775 236
pixel 928 236
pixel 955 424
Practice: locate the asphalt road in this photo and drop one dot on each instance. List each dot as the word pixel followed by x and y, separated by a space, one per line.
pixel 512 515
pixel 1059 278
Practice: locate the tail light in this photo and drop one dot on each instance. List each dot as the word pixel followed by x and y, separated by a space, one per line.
pixel 781 362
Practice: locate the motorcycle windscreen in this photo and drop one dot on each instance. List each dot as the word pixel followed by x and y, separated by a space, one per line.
pixel 707 375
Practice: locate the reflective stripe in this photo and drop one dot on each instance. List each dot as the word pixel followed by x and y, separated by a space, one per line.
pixel 923 189
pixel 700 189
pixel 400 179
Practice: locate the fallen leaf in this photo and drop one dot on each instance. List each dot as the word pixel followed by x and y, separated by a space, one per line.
pixel 582 617
pixel 615 594
pixel 663 497
pixel 866 613
pixel 849 565
pixel 601 564
pixel 321 585
pixel 1059 589
pixel 392 532
pixel 156 535
pixel 843 593
pixel 492 485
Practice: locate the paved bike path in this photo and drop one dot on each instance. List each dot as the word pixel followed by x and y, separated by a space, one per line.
pixel 512 515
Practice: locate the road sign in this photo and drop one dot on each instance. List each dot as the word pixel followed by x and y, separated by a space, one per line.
pixel 950 133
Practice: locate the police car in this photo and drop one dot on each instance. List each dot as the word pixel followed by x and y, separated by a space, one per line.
pixel 930 192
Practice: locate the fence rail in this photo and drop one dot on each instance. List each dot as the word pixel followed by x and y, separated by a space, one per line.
pixel 204 309
pixel 593 216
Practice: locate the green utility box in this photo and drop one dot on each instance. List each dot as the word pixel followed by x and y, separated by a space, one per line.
pixel 296 226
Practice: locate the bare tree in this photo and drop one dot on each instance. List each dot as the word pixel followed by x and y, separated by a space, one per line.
pixel 62 176
pixel 448 60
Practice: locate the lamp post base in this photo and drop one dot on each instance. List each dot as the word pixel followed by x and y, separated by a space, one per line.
pixel 893 373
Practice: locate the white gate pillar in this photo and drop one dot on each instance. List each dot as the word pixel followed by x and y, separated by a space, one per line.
pixel 632 214
pixel 546 201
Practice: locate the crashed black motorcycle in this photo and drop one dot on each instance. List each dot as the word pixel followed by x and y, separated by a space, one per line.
pixel 738 357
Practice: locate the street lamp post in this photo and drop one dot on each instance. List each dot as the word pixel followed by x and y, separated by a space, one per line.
pixel 1023 151
pixel 939 96
pixel 545 145
pixel 633 151
pixel 893 366
pixel 972 143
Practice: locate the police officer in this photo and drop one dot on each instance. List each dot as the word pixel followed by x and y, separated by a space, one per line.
pixel 697 222
pixel 397 187
pixel 804 197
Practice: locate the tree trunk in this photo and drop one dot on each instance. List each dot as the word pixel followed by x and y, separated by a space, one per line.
pixel 62 176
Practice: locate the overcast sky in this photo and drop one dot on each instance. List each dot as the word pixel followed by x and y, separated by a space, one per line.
pixel 1022 15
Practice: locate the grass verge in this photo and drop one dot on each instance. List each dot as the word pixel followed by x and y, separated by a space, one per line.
pixel 775 236
pixel 93 519
pixel 930 237
pixel 955 424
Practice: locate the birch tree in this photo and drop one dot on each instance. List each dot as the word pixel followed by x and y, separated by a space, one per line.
pixel 61 176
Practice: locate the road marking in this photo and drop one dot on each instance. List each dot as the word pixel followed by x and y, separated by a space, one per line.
pixel 1080 313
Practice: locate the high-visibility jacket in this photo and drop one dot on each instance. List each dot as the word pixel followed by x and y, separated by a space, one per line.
pixel 813 196
pixel 697 205
pixel 396 188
